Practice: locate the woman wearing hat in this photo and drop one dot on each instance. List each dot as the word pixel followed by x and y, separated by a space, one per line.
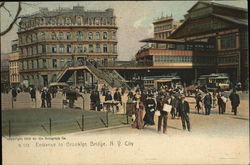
pixel 139 107
pixel 150 111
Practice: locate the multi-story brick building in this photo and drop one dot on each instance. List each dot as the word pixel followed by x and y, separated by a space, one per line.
pixel 48 40
pixel 14 64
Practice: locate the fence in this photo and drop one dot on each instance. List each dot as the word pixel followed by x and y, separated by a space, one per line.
pixel 55 124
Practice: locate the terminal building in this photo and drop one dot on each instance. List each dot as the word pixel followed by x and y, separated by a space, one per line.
pixel 50 40
pixel 212 39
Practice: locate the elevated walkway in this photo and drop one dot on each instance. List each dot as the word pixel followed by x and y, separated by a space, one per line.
pixel 109 77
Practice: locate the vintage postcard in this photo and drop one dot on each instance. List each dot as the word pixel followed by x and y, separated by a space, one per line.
pixel 124 82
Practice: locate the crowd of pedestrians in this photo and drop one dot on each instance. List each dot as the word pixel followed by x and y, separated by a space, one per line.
pixel 161 103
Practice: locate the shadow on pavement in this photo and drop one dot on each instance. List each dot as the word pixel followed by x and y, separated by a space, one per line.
pixel 240 118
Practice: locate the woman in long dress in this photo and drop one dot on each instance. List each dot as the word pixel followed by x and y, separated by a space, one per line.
pixel 150 111
pixel 138 122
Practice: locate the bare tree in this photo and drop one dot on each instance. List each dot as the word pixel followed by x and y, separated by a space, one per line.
pixel 2 6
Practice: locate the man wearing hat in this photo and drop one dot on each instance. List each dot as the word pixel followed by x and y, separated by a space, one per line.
pixel 235 101
pixel 184 110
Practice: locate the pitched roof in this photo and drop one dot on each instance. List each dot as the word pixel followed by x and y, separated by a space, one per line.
pixel 219 5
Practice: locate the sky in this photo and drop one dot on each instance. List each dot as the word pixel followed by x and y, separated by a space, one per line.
pixel 133 18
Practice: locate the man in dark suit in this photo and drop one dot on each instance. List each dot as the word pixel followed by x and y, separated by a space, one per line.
pixel 117 97
pixel 235 101
pixel 184 110
pixel 208 103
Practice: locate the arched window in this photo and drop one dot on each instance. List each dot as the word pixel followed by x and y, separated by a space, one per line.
pixel 79 49
pixel 78 20
pixel 60 21
pixel 98 36
pixel 53 36
pixel 114 48
pixel 90 35
pixel 27 39
pixel 79 36
pixel 105 35
pixel 68 21
pixel 61 36
pixel 61 49
pixel 113 35
pixel 97 21
pixel 104 21
pixel 98 48
pixel 34 37
pixel 91 50
pixel 69 36
pixel 105 48
pixel 42 36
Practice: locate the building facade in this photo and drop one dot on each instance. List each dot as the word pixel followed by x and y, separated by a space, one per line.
pixel 50 40
pixel 226 28
pixel 163 27
pixel 14 64
pixel 5 76
pixel 212 39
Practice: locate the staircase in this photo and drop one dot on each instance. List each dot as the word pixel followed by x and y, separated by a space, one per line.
pixel 111 78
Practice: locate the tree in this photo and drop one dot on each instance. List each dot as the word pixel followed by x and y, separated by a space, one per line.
pixel 2 6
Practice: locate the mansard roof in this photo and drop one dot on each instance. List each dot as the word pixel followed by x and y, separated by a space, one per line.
pixel 79 10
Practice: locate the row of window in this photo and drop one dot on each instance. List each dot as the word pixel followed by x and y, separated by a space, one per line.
pixel 223 60
pixel 14 78
pixel 79 36
pixel 91 48
pixel 43 63
pixel 189 59
pixel 162 27
pixel 67 21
